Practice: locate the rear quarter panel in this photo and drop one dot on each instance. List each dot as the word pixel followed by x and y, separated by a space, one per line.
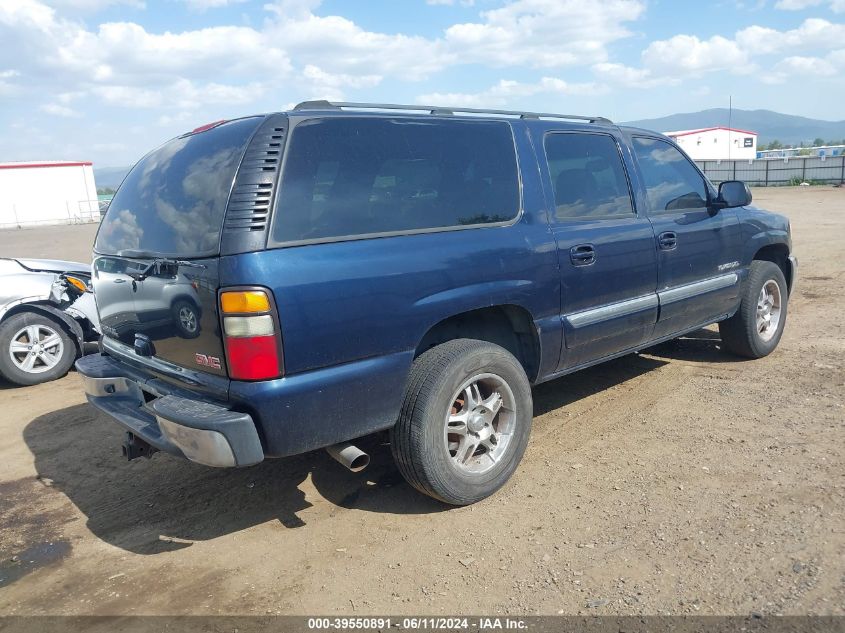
pixel 345 301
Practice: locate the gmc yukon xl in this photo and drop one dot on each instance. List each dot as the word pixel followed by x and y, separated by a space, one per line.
pixel 281 283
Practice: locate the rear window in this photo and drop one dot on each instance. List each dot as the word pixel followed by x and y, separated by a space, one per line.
pixel 588 177
pixel 173 201
pixel 357 176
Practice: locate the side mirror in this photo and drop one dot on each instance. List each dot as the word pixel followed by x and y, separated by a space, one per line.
pixel 732 193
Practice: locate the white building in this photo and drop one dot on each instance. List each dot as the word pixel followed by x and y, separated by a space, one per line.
pixel 717 143
pixel 50 192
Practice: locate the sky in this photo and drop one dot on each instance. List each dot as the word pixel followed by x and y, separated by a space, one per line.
pixel 108 80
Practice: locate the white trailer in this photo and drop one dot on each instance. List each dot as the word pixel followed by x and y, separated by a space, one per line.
pixel 716 143
pixel 48 192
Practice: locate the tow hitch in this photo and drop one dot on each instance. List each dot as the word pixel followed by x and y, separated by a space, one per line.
pixel 134 447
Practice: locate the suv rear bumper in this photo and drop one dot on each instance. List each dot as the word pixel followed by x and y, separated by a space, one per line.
pixel 201 431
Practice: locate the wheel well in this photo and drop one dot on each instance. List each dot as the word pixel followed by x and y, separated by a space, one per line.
pixel 508 326
pixel 777 254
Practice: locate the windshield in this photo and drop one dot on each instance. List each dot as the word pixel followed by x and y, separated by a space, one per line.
pixel 172 202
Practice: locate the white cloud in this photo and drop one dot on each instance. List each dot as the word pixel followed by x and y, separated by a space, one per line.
pixel 67 97
pixel 63 51
pixel 688 53
pixel 837 6
pixel 183 95
pixel 796 5
pixel 94 5
pixel 813 33
pixel 57 109
pixel 323 85
pixel 685 56
pixel 543 33
pixel 619 74
pixel 126 65
pixel 508 91
pixel 805 67
pixel 338 45
pixel 204 5
pixel 7 87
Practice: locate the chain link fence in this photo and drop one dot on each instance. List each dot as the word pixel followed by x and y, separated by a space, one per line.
pixel 766 172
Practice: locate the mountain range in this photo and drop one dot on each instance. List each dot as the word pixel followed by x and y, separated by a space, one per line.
pixel 786 128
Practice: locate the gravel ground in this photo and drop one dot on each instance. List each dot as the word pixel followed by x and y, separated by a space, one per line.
pixel 679 480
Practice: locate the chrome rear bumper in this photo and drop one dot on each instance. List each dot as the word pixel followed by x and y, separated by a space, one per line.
pixel 203 432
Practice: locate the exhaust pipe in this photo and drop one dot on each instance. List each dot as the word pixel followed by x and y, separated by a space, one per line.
pixel 350 456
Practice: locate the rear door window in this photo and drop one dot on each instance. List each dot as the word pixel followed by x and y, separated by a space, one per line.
pixel 358 176
pixel 173 201
pixel 588 177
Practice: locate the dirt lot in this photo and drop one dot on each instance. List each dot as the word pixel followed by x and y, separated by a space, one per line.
pixel 681 480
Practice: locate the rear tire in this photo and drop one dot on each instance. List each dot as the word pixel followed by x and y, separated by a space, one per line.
pixel 465 421
pixel 27 332
pixel 756 328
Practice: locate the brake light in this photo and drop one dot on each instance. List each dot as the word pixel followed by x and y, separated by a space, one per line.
pixel 207 126
pixel 252 335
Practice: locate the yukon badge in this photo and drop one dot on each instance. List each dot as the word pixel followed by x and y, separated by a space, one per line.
pixel 727 266
pixel 207 361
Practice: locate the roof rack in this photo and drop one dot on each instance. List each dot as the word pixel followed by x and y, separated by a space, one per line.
pixel 439 110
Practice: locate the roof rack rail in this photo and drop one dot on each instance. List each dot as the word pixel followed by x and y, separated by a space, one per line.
pixel 441 110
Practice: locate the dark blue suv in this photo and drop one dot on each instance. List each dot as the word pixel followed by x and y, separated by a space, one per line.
pixel 287 282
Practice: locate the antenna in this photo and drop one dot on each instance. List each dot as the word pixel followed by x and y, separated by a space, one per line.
pixel 730 115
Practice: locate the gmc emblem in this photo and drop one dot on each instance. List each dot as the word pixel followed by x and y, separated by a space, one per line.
pixel 207 361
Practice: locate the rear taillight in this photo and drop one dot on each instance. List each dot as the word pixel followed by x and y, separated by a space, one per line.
pixel 251 334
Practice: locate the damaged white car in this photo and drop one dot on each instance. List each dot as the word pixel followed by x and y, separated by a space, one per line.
pixel 47 314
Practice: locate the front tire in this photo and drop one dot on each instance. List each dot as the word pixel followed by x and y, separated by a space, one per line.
pixel 465 421
pixel 33 349
pixel 756 328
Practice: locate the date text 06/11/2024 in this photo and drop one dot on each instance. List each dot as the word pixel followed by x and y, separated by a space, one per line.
pixel 417 623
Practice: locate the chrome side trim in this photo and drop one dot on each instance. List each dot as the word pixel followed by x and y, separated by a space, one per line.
pixel 611 311
pixel 687 291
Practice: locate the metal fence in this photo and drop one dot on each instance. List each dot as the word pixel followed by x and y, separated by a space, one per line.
pixel 31 212
pixel 765 172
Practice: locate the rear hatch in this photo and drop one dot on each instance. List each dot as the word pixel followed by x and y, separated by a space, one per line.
pixel 155 269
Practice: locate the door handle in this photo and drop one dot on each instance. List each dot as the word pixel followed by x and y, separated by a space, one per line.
pixel 582 255
pixel 668 240
pixel 119 280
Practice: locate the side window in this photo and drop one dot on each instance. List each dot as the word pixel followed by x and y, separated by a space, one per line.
pixel 671 182
pixel 588 177
pixel 349 176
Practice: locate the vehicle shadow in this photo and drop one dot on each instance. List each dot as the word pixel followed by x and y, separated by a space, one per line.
pixel 587 382
pixel 701 346
pixel 164 504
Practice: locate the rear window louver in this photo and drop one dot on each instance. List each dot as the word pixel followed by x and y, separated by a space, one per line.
pixel 248 211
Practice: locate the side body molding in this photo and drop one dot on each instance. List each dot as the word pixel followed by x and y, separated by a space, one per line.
pixel 666 305
pixel 687 291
